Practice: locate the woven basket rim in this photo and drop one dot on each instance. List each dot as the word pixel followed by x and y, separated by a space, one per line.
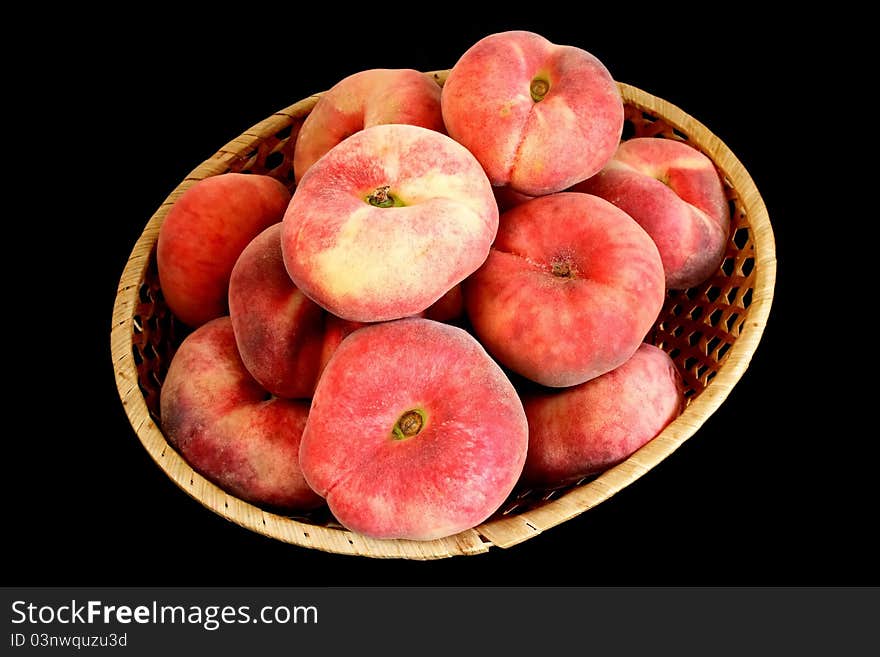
pixel 502 532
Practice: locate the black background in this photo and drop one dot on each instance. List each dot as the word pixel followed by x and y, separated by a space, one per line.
pixel 774 489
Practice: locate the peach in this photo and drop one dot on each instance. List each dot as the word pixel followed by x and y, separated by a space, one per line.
pixel 675 193
pixel 539 117
pixel 364 99
pixel 228 428
pixel 585 429
pixel 203 234
pixel 569 290
pixel 387 222
pixel 279 330
pixel 414 432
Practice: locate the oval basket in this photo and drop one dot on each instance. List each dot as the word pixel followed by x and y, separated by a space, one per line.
pixel 711 332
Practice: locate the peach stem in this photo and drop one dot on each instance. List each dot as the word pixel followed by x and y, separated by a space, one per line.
pixel 409 424
pixel 562 269
pixel 380 197
pixel 538 89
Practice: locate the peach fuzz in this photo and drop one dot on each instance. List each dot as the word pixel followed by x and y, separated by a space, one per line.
pixel 539 116
pixel 676 195
pixel 279 330
pixel 388 222
pixel 364 99
pixel 203 234
pixel 414 432
pixel 228 428
pixel 586 429
pixel 569 290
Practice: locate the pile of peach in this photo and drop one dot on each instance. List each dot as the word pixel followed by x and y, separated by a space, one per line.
pixel 387 342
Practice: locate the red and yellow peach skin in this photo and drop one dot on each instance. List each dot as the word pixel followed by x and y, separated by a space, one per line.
pixel 387 222
pixel 364 99
pixel 228 428
pixel 414 431
pixel 585 429
pixel 203 234
pixel 676 195
pixel 279 331
pixel 569 290
pixel 539 116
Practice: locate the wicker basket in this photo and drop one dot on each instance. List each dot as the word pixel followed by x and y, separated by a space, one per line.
pixel 710 331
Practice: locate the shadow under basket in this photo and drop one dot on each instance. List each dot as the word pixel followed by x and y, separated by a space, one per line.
pixel 710 331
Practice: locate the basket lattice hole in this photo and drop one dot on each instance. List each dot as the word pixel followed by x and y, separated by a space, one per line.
pixel 715 317
pixel 694 338
pixel 629 130
pixel 149 352
pixel 741 237
pixel 274 160
pixel 727 266
pixel 677 331
pixel 712 344
pixel 689 362
pixel 284 133
pixel 674 353
pixel 747 298
pixel 713 292
pixel 731 294
pixel 144 294
pixel 136 354
pixel 747 266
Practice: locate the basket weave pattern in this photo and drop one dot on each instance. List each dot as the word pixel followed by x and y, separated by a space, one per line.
pixel 710 331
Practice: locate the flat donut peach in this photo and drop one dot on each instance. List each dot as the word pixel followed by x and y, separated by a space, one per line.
pixel 675 193
pixel 228 428
pixel 414 431
pixel 278 329
pixel 203 234
pixel 364 99
pixel 569 290
pixel 585 429
pixel 388 222
pixel 539 116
